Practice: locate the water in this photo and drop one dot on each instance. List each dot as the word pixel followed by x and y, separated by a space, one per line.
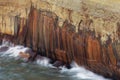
pixel 14 68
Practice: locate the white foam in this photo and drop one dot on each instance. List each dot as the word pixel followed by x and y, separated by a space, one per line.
pixel 75 71
pixel 43 61
pixel 13 51
pixel 81 73
pixel 6 43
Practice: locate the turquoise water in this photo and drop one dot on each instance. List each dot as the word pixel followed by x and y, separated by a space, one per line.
pixel 14 68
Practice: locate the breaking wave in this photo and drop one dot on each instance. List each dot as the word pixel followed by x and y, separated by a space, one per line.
pixel 9 49
pixel 45 62
pixel 81 73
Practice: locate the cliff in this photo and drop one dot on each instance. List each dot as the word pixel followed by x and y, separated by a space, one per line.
pixel 86 31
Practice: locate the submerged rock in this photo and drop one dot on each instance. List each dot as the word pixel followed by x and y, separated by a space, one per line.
pixel 4 48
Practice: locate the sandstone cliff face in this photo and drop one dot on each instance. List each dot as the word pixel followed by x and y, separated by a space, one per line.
pixel 104 14
pixel 86 31
pixel 8 10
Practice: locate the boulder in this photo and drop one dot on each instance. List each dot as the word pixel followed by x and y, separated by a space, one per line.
pixel 58 63
pixel 24 55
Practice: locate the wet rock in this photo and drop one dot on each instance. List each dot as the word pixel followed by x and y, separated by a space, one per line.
pixel 28 56
pixel 4 48
pixel 42 34
pixel 24 55
pixel 58 64
pixel 61 55
pixel 118 64
pixel 39 57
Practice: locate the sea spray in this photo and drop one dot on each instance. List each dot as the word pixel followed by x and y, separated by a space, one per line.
pixel 11 50
pixel 14 51
pixel 7 43
pixel 81 73
pixel 45 62
pixel 76 72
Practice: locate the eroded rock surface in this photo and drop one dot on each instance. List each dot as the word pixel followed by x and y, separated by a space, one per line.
pixel 84 33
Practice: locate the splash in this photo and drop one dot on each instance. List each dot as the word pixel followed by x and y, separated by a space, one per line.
pixel 6 43
pixel 45 62
pixel 14 51
pixel 75 72
pixel 9 49
pixel 81 73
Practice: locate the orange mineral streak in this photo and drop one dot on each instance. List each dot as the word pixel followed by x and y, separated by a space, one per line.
pixel 42 34
pixel 111 55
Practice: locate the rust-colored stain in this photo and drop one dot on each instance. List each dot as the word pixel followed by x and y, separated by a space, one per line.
pixel 42 33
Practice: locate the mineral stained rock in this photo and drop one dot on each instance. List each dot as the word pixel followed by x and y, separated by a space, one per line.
pixel 65 33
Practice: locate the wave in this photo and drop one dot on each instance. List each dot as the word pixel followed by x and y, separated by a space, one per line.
pixel 45 62
pixel 76 71
pixel 81 73
pixel 11 50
